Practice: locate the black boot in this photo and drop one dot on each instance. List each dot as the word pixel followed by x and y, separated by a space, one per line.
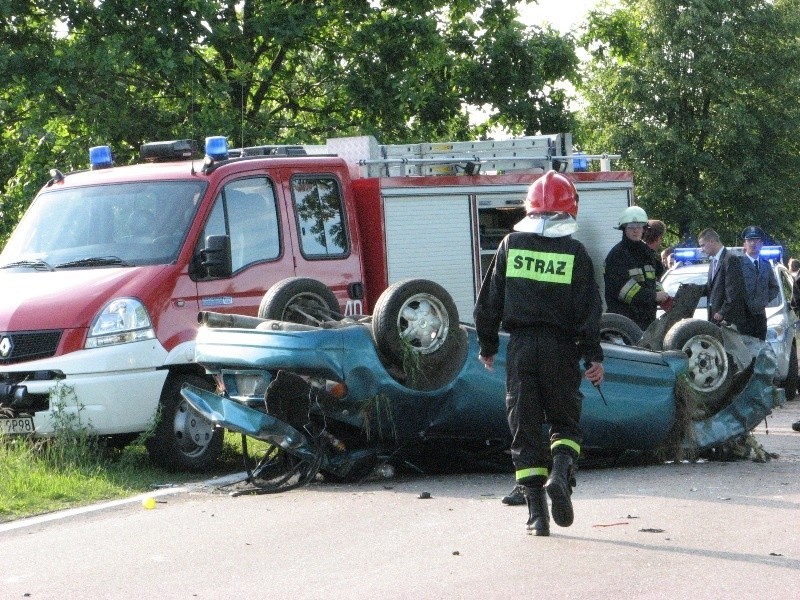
pixel 559 489
pixel 538 517
pixel 515 497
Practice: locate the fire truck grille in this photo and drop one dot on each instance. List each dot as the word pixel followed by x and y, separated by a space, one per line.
pixel 27 345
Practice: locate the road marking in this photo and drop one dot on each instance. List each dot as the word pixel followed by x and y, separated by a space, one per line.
pixel 71 512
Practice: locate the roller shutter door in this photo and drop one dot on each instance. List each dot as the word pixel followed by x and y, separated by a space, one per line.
pixel 430 237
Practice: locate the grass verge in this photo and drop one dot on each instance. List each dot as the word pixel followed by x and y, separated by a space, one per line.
pixel 39 476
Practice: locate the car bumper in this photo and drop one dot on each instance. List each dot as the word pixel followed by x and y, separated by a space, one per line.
pixel 110 390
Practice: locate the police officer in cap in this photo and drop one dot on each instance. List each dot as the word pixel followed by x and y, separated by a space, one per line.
pixel 541 289
pixel 760 284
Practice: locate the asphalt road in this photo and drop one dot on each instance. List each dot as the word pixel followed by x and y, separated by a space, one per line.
pixel 687 530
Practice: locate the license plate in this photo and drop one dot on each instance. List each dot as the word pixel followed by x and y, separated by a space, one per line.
pixel 17 425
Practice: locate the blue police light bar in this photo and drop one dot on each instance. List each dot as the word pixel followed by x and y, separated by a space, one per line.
pixel 693 255
pixel 100 157
pixel 685 255
pixel 579 162
pixel 217 147
pixel 771 253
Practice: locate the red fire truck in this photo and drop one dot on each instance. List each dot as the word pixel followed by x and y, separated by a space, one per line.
pixel 106 272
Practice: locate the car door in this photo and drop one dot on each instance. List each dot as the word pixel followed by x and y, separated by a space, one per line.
pixel 247 210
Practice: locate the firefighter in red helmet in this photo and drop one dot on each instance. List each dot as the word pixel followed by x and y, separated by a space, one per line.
pixel 552 193
pixel 540 288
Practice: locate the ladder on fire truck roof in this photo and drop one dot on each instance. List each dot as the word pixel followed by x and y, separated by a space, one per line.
pixel 532 153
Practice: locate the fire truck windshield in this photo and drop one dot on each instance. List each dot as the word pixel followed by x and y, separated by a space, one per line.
pixel 142 223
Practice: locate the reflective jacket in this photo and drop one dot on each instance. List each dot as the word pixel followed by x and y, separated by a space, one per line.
pixel 630 282
pixel 537 282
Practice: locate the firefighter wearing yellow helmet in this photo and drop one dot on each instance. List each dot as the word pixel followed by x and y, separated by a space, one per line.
pixel 631 286
pixel 541 289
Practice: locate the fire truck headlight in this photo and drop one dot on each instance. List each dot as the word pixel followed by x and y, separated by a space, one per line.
pixel 121 321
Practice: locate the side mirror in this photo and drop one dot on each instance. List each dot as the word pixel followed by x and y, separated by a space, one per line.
pixel 216 256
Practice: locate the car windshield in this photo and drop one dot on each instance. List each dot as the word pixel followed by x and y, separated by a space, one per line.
pixel 679 275
pixel 123 224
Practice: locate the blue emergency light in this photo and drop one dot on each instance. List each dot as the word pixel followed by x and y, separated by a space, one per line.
pixel 687 255
pixel 100 157
pixel 217 147
pixel 580 162
pixel 771 253
pixel 695 255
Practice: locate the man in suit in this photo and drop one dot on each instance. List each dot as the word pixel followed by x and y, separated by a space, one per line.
pixel 759 281
pixel 725 289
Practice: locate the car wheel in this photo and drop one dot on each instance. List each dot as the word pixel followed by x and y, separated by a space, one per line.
pixel 619 329
pixel 182 439
pixel 415 327
pixel 710 372
pixel 300 300
pixel 790 384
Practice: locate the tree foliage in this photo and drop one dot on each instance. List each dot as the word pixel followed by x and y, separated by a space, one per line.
pixel 700 98
pixel 79 73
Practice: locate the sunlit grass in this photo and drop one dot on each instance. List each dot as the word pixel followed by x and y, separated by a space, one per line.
pixel 39 476
pixel 73 468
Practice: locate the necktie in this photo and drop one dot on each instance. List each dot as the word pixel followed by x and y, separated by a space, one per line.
pixel 713 268
pixel 755 264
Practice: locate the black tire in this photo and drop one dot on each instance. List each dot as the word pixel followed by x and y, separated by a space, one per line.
pixel 415 326
pixel 183 440
pixel 710 372
pixel 300 300
pixel 619 329
pixel 789 385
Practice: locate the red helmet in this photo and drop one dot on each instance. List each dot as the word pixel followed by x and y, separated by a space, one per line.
pixel 552 192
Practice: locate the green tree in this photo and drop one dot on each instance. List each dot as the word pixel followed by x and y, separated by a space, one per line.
pixel 122 72
pixel 700 98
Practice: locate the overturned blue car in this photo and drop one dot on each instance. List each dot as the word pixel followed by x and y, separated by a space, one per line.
pixel 404 388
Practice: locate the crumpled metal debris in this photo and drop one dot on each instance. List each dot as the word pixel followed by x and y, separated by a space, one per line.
pixel 748 408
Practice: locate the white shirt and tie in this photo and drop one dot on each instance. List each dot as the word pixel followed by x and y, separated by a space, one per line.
pixel 712 272
pixel 714 264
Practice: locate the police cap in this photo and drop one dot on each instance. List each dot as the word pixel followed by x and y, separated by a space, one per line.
pixel 753 233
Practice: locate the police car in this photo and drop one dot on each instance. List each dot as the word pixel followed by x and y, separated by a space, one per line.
pixel 782 323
